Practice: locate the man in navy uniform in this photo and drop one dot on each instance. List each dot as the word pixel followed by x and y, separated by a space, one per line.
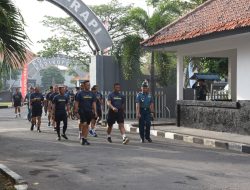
pixel 144 112
pixel 60 104
pixel 85 105
pixel 36 101
pixel 116 104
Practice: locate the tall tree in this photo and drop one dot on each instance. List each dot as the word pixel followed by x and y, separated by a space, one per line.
pixel 73 40
pixel 13 39
pixel 51 75
pixel 147 25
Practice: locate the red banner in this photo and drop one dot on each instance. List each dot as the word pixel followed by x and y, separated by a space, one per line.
pixel 24 81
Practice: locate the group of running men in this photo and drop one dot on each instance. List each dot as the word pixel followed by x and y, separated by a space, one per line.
pixel 87 107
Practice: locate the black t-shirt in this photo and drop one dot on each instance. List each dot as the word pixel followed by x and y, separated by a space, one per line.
pixel 86 99
pixel 36 100
pixel 17 97
pixel 48 95
pixel 51 97
pixel 60 103
pixel 99 98
pixel 117 100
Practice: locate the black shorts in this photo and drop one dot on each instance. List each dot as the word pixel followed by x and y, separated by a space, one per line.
pixel 86 116
pixel 37 112
pixel 115 117
pixel 17 104
pixel 60 116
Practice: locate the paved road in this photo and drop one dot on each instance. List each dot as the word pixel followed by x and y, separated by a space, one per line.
pixel 164 165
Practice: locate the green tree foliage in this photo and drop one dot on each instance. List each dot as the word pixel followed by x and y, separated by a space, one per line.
pixel 7 70
pixel 212 65
pixel 165 68
pixel 147 25
pixel 73 40
pixel 114 15
pixel 130 57
pixel 51 75
pixel 13 39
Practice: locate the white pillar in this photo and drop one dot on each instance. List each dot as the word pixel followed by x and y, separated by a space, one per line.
pixel 232 75
pixel 243 72
pixel 180 74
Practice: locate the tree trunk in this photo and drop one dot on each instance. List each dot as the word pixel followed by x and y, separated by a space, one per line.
pixel 152 75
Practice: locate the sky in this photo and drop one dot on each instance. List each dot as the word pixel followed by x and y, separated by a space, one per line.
pixel 34 11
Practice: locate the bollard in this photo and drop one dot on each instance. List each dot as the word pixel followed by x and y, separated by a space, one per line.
pixel 178 115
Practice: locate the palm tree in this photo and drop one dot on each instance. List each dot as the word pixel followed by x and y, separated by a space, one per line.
pixel 147 25
pixel 13 39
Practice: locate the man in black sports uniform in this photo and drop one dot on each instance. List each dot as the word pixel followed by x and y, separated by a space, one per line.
pixel 116 104
pixel 99 103
pixel 48 104
pixel 17 102
pixel 60 102
pixel 36 101
pixel 51 97
pixel 86 106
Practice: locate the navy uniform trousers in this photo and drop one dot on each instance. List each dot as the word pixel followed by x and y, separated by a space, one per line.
pixel 145 123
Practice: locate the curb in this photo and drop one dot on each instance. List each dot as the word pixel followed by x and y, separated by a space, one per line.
pixel 209 142
pixel 5 107
pixel 19 182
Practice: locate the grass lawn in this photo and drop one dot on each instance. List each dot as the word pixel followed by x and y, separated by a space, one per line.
pixel 5 103
pixel 5 183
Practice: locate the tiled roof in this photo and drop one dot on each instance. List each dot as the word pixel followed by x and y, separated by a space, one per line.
pixel 213 16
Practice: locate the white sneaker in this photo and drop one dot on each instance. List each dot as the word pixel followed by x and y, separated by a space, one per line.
pixel 125 140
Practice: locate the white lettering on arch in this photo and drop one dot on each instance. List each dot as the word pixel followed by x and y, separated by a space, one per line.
pixel 85 15
pixel 75 5
pixel 93 23
pixel 98 31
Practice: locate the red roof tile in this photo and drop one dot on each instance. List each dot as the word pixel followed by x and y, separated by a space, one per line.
pixel 211 17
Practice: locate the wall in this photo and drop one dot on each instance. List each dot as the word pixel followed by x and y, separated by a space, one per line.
pixel 233 117
pixel 104 71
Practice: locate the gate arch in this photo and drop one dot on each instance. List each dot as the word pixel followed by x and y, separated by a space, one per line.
pixel 87 19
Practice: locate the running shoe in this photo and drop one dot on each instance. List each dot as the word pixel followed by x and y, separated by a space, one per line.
pixel 91 132
pixel 38 130
pixel 32 127
pixel 84 142
pixel 149 140
pixel 58 138
pixel 64 136
pixel 109 139
pixel 125 140
pixel 49 124
pixel 87 142
pixel 142 140
pixel 94 134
